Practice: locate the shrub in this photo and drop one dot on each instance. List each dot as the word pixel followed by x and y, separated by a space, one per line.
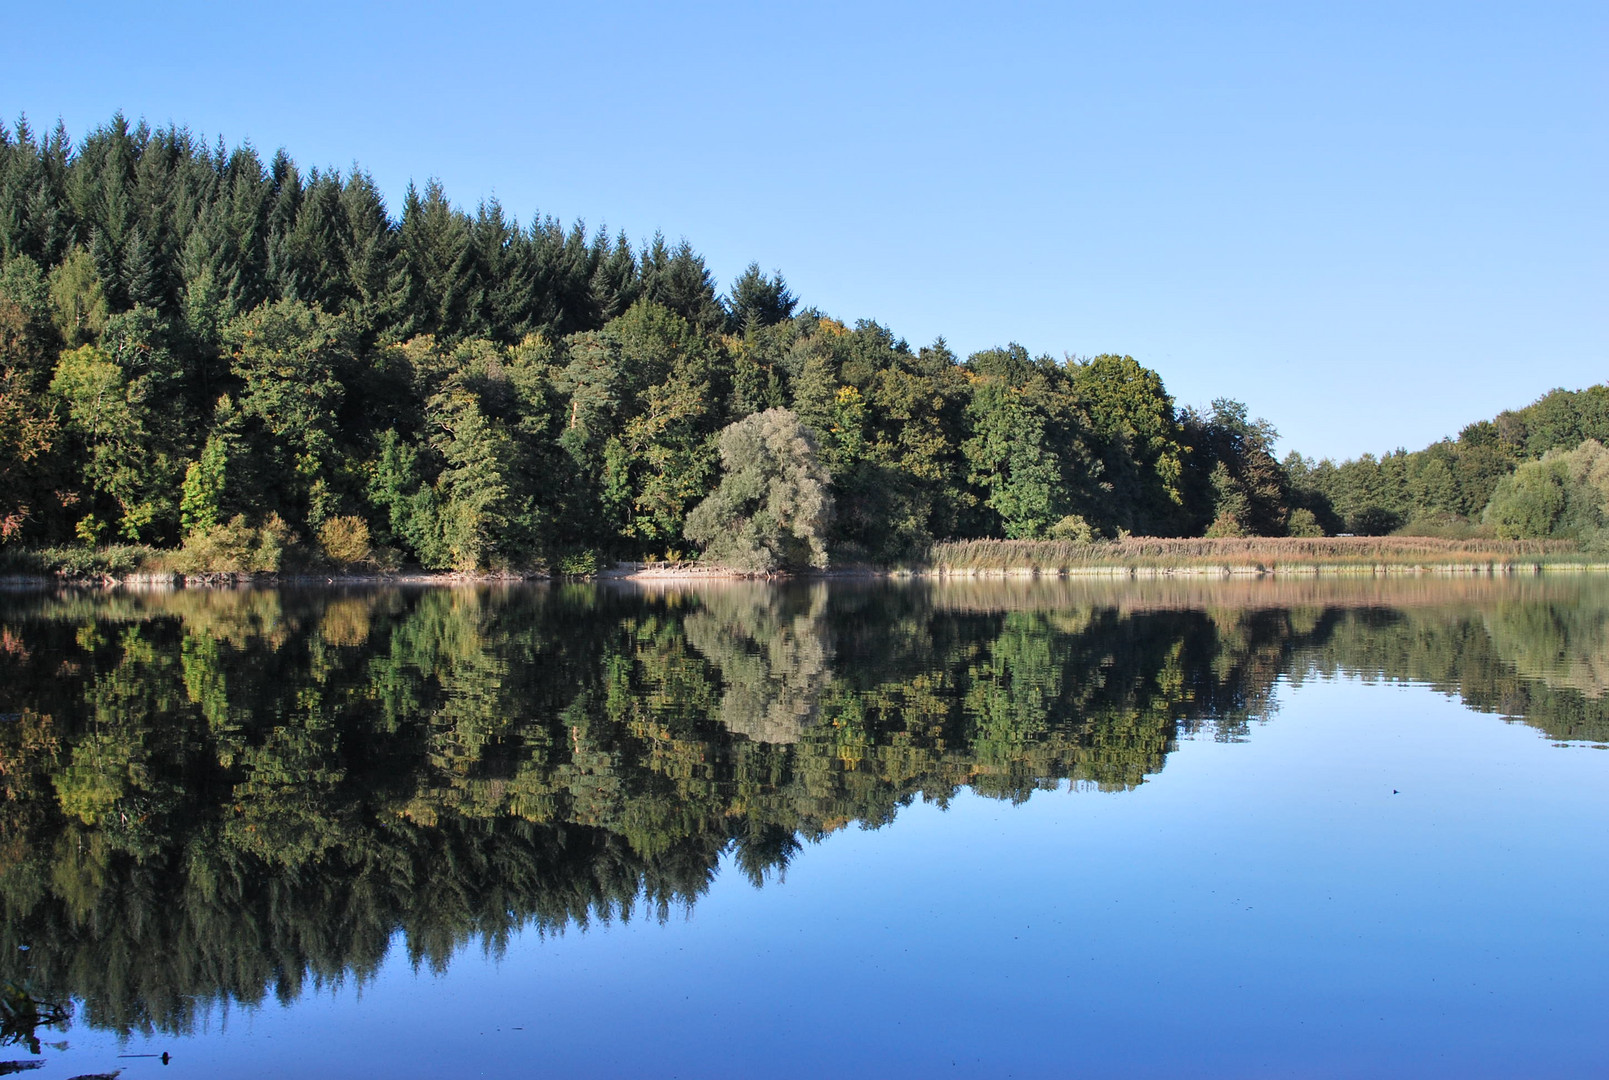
pixel 578 564
pixel 77 562
pixel 1073 529
pixel 1303 522
pixel 345 541
pixel 1373 521
pixel 1444 523
pixel 236 547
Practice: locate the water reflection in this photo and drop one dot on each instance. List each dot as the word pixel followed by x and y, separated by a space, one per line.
pixel 221 796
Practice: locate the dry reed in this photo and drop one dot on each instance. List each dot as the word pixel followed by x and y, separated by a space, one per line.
pixel 1266 554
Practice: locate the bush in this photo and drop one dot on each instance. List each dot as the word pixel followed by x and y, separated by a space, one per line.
pixel 236 548
pixel 1373 521
pixel 1073 529
pixel 1303 522
pixel 1225 524
pixel 578 564
pixel 1446 524
pixel 345 541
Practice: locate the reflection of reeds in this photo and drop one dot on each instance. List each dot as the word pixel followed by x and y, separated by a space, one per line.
pixel 1125 596
pixel 1242 554
pixel 1065 596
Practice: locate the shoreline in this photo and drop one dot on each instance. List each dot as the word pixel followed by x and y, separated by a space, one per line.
pixel 649 573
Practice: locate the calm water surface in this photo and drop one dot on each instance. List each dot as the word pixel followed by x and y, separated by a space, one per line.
pixel 1198 829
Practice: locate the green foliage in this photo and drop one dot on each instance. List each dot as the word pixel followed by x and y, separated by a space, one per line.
pixel 192 332
pixel 398 488
pixel 1445 488
pixel 90 529
pixel 772 506
pixel 677 279
pixel 1027 442
pixel 28 338
pixel 1139 443
pixel 578 564
pixel 235 547
pixel 345 541
pixel 1246 492
pixel 1563 495
pixel 1072 529
pixel 28 427
pixel 1303 522
pixel 78 562
pixel 123 462
pixel 201 501
pixel 290 359
pixel 759 301
pixel 79 303
pixel 28 424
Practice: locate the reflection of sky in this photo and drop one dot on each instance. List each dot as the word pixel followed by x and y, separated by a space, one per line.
pixel 1265 907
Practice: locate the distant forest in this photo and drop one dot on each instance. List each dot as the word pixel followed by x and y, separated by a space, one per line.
pixel 204 351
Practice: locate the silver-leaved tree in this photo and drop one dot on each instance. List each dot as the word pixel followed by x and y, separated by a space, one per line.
pixel 772 507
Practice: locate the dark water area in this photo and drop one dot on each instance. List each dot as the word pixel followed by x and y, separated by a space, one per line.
pixel 1272 828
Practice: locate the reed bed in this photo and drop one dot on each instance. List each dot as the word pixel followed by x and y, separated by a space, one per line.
pixel 1243 554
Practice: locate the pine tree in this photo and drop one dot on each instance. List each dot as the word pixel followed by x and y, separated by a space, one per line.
pixel 144 283
pixel 436 269
pixel 615 284
pixel 759 300
pixel 678 279
pixel 35 220
pixel 284 269
pixel 368 256
pixel 504 305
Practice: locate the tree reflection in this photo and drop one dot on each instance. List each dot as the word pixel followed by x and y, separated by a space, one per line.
pixel 221 796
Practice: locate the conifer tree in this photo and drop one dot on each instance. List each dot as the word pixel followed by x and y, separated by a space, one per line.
pixel 615 283
pixel 368 250
pixel 760 300
pixel 435 268
pixel 678 279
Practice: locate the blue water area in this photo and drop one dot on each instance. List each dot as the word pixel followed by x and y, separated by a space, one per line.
pixel 1360 873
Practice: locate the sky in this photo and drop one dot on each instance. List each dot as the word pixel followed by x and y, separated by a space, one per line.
pixel 1372 223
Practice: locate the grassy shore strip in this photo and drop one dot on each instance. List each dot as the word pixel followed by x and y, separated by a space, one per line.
pixel 1144 556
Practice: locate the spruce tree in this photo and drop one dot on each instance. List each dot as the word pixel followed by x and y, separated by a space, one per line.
pixel 759 300
pixel 678 279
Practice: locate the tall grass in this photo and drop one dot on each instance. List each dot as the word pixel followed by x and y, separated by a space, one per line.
pixel 1239 553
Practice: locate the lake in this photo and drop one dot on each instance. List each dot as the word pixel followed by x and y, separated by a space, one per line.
pixel 1181 828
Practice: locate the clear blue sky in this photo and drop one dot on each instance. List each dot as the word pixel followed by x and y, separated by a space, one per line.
pixel 1373 223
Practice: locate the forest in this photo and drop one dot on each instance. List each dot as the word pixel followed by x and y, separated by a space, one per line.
pixel 245 365
pixel 231 795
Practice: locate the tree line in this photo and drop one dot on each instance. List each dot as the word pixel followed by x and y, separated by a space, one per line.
pixel 202 348
pixel 1449 486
